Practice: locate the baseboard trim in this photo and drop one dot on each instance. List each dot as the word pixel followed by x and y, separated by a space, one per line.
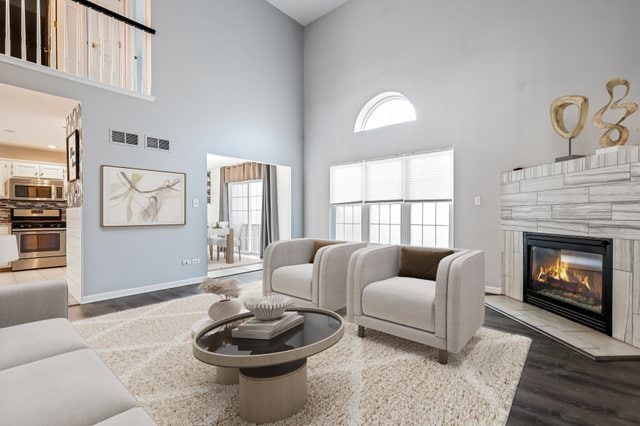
pixel 140 290
pixel 492 290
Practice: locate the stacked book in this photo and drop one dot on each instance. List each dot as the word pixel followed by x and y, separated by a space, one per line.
pixel 266 330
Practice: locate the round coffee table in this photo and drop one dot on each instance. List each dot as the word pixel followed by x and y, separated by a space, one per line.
pixel 272 374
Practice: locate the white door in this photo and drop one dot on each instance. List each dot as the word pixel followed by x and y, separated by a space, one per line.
pixel 51 171
pixel 26 170
pixel 72 54
pixel 105 41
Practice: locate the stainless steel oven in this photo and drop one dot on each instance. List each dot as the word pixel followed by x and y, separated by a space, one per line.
pixel 42 238
pixel 36 189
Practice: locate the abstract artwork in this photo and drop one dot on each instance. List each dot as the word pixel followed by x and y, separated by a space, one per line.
pixel 138 197
pixel 558 107
pixel 621 132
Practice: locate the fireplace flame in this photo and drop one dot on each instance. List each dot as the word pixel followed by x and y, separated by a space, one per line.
pixel 560 271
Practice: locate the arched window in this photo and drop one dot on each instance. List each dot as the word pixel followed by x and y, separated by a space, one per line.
pixel 386 109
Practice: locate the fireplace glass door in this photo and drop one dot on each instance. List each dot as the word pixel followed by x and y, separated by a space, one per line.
pixel 569 276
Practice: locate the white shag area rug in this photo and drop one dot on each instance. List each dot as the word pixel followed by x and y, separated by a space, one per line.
pixel 380 379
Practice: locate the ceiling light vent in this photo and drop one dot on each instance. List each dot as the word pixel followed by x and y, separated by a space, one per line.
pixel 123 138
pixel 158 144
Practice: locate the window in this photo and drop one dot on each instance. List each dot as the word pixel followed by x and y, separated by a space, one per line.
pixel 245 200
pixel 386 109
pixel 385 223
pixel 430 224
pixel 402 200
pixel 348 222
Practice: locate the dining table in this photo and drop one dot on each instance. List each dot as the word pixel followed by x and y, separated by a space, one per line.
pixel 221 232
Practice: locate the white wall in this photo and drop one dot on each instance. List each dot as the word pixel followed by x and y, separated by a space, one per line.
pixel 228 79
pixel 481 76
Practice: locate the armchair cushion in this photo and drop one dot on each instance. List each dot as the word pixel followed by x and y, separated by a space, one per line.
pixel 421 263
pixel 318 244
pixel 402 300
pixel 294 280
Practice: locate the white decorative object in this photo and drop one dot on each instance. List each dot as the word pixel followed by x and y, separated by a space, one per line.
pixel 228 290
pixel 224 308
pixel 268 307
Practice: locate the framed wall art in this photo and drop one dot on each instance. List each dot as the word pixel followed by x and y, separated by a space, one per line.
pixel 140 197
pixel 73 156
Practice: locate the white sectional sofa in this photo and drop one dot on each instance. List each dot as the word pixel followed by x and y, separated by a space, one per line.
pixel 48 374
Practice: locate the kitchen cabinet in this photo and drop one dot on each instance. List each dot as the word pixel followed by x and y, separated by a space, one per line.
pixel 35 170
pixel 25 170
pixel 51 171
pixel 4 176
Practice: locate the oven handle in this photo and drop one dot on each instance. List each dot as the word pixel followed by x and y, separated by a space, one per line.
pixel 30 231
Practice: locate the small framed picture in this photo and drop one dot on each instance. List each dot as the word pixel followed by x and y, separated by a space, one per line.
pixel 73 156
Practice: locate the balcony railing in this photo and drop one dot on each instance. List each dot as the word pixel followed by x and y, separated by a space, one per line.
pixel 106 41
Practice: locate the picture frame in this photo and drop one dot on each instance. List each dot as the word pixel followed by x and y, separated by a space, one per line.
pixel 142 197
pixel 73 156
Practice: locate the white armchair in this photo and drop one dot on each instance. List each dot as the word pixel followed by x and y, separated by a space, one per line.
pixel 443 313
pixel 291 268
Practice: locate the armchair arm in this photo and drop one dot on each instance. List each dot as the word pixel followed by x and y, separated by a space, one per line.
pixel 367 266
pixel 331 283
pixel 465 299
pixel 284 253
pixel 28 302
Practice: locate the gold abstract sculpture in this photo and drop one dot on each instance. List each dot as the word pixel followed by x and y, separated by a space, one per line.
pixel 630 107
pixel 558 106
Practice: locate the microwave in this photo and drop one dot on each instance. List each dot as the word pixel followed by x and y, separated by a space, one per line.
pixel 36 189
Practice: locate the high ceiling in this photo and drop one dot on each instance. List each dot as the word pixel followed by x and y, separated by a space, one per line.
pixel 31 119
pixel 306 11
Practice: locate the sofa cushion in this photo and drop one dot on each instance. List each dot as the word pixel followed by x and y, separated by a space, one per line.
pixel 135 416
pixel 403 300
pixel 317 245
pixel 422 263
pixel 75 388
pixel 24 343
pixel 294 280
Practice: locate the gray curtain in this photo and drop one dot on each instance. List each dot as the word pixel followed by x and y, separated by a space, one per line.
pixel 223 215
pixel 269 231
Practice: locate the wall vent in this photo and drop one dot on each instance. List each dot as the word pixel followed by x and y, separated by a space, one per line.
pixel 158 144
pixel 123 138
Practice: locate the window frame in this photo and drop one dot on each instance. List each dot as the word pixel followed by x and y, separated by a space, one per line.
pixel 405 206
pixel 370 108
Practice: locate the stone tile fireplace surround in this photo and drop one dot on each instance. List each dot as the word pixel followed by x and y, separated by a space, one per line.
pixel 596 196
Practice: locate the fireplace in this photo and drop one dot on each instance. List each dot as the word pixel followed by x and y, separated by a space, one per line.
pixel 570 276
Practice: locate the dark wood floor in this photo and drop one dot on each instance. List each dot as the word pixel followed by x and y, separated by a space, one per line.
pixel 558 385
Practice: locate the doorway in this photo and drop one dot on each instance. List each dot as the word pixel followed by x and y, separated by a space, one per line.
pixel 237 190
pixel 40 205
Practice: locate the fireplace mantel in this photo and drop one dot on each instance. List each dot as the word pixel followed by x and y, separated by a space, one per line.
pixel 595 196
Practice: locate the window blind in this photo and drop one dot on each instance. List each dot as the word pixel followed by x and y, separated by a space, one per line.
pixel 383 180
pixel 421 177
pixel 429 176
pixel 347 183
